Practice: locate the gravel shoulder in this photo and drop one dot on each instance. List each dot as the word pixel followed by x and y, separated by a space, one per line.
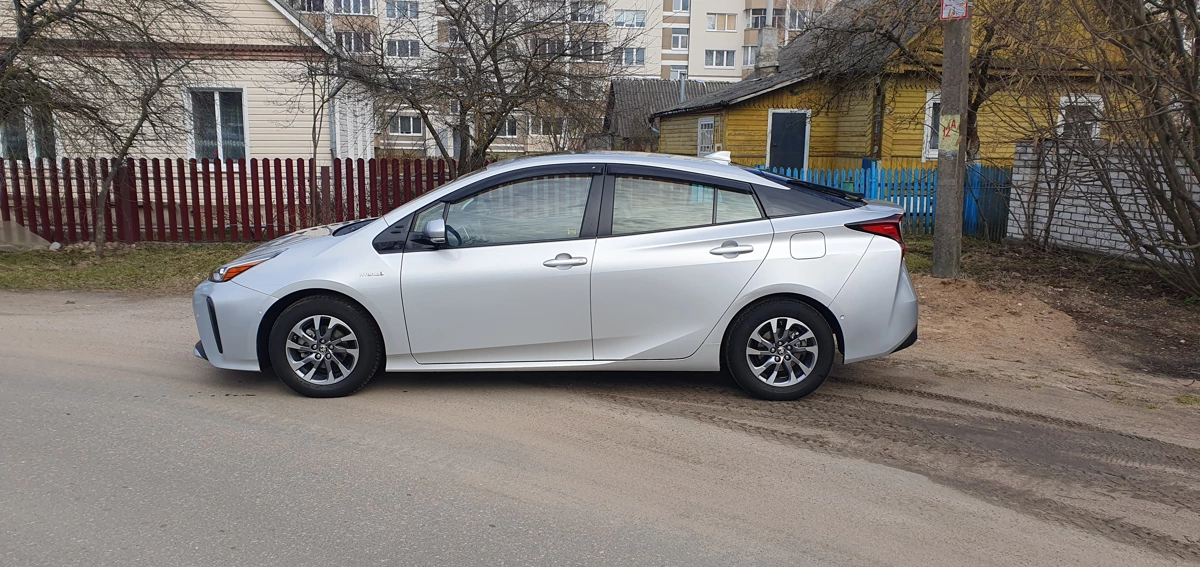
pixel 117 447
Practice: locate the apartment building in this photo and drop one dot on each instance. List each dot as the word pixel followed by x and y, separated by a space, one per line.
pixel 705 40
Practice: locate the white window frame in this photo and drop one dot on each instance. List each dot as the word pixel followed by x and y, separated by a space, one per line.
pixel 730 58
pixel 412 9
pixel 587 11
pixel 807 129
pixel 678 44
pixel 678 6
pixel 629 18
pixel 927 153
pixel 749 55
pixel 31 146
pixel 368 40
pixel 504 129
pixel 711 22
pixel 191 120
pixel 394 128
pixel 356 7
pixel 711 123
pixel 411 45
pixel 752 18
pixel 639 56
pixel 679 72
pixel 305 6
pixel 537 125
pixel 1080 99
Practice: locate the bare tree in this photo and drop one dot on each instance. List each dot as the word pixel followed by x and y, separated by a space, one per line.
pixel 98 74
pixel 494 68
pixel 1127 92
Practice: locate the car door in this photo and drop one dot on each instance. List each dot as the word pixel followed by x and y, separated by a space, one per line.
pixel 674 251
pixel 512 282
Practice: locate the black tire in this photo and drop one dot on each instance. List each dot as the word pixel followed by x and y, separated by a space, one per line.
pixel 370 345
pixel 738 363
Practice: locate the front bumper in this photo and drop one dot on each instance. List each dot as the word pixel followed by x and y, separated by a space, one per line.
pixel 227 317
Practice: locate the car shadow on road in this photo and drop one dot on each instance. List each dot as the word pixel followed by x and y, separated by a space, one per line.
pixel 625 382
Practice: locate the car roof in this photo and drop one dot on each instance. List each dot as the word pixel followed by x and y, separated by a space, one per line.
pixel 665 161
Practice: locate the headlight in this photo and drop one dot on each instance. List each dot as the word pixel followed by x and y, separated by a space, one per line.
pixel 233 269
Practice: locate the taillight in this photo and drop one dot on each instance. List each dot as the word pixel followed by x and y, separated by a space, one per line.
pixel 886 227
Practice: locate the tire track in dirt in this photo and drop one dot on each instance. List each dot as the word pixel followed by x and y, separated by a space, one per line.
pixel 1128 488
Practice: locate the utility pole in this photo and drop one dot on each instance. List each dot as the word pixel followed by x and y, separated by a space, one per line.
pixel 952 155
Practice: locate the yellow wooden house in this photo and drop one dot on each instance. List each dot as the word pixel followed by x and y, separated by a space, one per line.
pixel 844 100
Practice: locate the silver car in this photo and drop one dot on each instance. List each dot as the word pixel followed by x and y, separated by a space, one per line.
pixel 575 262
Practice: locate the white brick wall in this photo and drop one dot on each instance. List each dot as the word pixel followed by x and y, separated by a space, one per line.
pixel 1083 216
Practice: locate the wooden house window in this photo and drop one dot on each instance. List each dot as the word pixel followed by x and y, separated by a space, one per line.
pixel 218 124
pixel 1079 116
pixel 933 111
pixel 405 126
pixel 704 136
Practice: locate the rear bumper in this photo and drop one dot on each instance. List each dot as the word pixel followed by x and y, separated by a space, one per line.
pixel 910 341
pixel 227 319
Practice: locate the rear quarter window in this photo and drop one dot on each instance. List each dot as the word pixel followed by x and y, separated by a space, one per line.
pixel 778 202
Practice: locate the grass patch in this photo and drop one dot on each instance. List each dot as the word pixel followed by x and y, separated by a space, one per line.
pixel 1188 399
pixel 149 268
pixel 920 253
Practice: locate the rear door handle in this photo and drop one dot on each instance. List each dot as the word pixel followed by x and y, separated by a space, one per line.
pixel 564 262
pixel 731 249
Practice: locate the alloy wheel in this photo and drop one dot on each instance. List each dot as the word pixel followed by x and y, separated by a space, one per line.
pixel 322 350
pixel 781 352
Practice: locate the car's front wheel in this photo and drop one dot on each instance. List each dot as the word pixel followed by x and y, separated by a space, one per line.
pixel 324 347
pixel 780 350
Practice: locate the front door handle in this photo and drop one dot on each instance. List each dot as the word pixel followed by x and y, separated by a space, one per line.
pixel 564 262
pixel 731 249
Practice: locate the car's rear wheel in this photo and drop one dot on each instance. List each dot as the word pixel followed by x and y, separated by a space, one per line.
pixel 780 350
pixel 324 347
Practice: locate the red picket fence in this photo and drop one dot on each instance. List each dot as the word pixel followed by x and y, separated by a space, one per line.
pixel 177 200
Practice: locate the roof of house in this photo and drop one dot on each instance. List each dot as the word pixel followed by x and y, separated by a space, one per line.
pixel 853 37
pixel 631 102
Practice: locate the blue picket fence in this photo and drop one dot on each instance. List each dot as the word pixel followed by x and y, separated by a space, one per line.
pixel 985 212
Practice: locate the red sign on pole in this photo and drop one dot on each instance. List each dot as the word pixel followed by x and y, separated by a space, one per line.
pixel 954 9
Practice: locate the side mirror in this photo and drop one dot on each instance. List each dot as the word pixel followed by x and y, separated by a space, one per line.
pixel 435 231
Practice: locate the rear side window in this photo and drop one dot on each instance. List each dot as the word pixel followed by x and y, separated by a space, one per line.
pixel 646 204
pixel 791 202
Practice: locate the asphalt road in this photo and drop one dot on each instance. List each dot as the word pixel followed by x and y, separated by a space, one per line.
pixel 117 447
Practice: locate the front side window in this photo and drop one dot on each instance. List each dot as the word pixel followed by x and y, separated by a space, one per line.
pixel 679 73
pixel 630 19
pixel 778 18
pixel 681 5
pixel 633 56
pixel 801 19
pixel 352 6
pixel 403 9
pixel 531 210
pixel 722 22
pixel 679 38
pixel 405 126
pixel 588 50
pixel 646 204
pixel 403 48
pixel 718 58
pixel 218 124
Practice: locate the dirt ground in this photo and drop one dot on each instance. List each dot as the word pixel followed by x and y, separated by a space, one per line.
pixel 1062 389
